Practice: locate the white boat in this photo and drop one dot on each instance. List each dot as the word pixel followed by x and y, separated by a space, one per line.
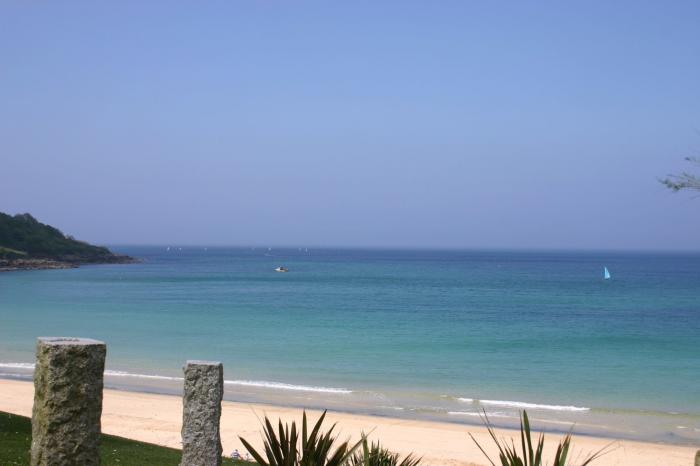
pixel 606 274
pixel 281 269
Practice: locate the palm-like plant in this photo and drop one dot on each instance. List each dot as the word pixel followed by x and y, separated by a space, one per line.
pixel 282 446
pixel 376 455
pixel 531 454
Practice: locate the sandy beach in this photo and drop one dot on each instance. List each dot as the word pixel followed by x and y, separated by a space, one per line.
pixel 157 419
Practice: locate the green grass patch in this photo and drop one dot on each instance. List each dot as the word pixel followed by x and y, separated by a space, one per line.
pixel 9 253
pixel 16 439
pixel 4 250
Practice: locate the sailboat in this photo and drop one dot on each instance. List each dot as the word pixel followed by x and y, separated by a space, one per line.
pixel 606 274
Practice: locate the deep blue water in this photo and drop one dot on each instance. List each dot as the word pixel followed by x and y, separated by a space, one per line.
pixel 411 331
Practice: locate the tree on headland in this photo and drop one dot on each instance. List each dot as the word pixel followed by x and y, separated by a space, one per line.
pixel 683 181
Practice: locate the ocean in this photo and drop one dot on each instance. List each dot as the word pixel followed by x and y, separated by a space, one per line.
pixel 438 335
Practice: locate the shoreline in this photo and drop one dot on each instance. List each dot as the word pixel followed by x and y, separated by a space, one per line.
pixel 156 418
pixel 16 265
pixel 637 426
pixel 34 264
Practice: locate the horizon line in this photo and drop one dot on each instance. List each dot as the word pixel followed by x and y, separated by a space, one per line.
pixel 408 248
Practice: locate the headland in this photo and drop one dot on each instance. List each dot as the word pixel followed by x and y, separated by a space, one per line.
pixel 27 244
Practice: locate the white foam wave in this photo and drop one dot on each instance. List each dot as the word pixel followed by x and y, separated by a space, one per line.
pixel 523 405
pixel 245 383
pixel 395 408
pixel 141 376
pixel 17 365
pixel 473 414
pixel 286 386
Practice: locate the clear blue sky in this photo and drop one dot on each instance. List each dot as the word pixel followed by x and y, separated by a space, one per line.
pixel 362 123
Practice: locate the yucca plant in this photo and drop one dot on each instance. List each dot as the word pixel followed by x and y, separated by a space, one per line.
pixel 376 455
pixel 531 454
pixel 282 446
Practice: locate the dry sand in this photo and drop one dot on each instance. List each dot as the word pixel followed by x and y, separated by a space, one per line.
pixel 157 419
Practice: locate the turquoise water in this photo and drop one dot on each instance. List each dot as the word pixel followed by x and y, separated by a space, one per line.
pixel 434 334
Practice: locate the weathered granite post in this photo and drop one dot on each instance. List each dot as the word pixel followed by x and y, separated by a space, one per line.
pixel 68 381
pixel 204 389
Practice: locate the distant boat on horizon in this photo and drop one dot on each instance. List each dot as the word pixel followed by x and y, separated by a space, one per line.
pixel 281 269
pixel 606 274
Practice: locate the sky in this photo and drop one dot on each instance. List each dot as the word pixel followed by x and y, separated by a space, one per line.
pixel 448 124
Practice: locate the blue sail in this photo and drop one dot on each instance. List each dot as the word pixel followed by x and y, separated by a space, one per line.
pixel 606 274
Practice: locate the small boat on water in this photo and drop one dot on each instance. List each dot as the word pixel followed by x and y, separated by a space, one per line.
pixel 281 269
pixel 606 274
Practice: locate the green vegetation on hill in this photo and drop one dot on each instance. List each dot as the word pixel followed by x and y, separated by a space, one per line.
pixel 24 237
pixel 16 439
pixel 8 253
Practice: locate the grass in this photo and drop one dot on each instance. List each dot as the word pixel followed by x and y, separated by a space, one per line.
pixel 9 254
pixel 16 439
pixel 4 250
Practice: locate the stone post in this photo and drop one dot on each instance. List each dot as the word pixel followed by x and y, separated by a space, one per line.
pixel 204 390
pixel 697 458
pixel 68 381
